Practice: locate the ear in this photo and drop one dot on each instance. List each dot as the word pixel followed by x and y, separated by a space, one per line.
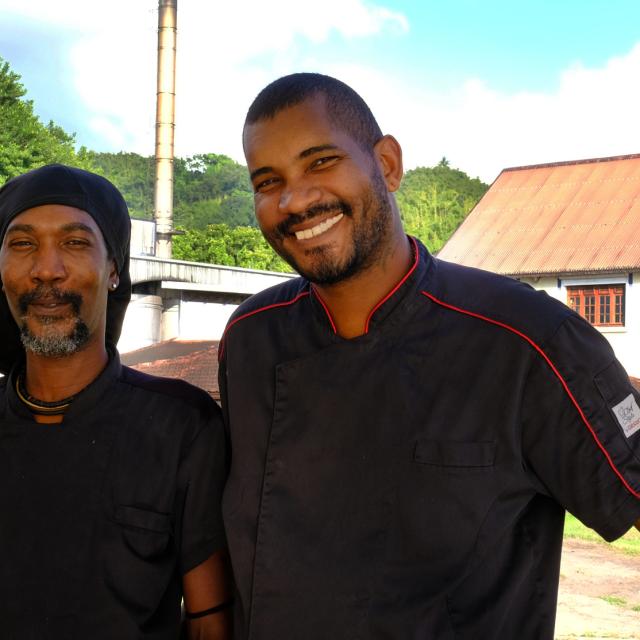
pixel 114 279
pixel 389 155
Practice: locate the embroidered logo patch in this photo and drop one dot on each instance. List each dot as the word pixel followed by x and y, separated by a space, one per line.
pixel 628 414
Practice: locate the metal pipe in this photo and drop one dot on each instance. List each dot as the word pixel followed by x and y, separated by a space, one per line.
pixel 165 125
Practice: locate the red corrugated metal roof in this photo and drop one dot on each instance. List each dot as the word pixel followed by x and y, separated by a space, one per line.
pixel 560 218
pixel 193 361
pixel 165 350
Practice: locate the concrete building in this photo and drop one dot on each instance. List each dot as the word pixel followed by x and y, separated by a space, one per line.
pixel 178 300
pixel 571 229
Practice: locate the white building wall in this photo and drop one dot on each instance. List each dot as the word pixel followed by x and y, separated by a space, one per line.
pixel 175 318
pixel 141 326
pixel 143 237
pixel 147 322
pixel 625 341
pixel 204 320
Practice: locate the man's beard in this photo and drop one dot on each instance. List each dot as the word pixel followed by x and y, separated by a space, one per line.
pixel 369 235
pixel 52 343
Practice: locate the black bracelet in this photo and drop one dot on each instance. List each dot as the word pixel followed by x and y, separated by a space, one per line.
pixel 207 612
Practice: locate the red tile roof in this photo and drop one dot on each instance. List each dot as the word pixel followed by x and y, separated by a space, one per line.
pixel 193 361
pixel 561 218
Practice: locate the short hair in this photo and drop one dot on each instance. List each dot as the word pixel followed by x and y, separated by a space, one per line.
pixel 345 108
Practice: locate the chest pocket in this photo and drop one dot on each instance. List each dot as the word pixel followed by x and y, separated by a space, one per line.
pixel 146 533
pixel 140 558
pixel 454 455
pixel 444 493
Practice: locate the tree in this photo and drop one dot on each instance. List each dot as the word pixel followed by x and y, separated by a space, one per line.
pixel 434 201
pixel 233 246
pixel 213 197
pixel 208 188
pixel 212 189
pixel 133 174
pixel 25 142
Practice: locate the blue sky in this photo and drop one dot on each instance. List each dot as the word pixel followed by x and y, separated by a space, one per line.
pixel 517 46
pixel 487 84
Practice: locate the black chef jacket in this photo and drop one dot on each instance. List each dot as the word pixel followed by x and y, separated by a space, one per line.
pixel 410 483
pixel 102 514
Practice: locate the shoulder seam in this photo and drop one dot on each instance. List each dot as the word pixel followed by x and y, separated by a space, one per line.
pixel 553 368
pixel 129 374
pixel 268 307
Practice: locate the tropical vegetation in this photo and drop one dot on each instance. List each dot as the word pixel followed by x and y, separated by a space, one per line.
pixel 213 198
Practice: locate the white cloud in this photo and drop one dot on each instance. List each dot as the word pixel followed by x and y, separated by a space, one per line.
pixel 110 130
pixel 228 51
pixel 242 30
pixel 83 15
pixel 115 77
pixel 110 56
pixel 593 113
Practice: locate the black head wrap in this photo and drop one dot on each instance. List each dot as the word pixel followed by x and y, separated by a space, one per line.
pixel 59 184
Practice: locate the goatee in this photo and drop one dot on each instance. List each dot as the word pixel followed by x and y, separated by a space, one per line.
pixel 371 230
pixel 52 343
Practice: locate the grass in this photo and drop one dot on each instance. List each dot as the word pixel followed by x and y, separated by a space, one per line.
pixel 615 600
pixel 629 543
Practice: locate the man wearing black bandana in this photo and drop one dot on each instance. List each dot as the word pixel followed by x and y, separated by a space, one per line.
pixel 110 480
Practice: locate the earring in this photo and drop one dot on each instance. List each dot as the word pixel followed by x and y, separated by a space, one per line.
pixel 114 286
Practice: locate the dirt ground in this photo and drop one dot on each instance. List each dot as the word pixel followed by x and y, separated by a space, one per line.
pixel 599 590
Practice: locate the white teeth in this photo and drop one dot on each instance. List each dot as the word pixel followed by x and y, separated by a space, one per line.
pixel 319 228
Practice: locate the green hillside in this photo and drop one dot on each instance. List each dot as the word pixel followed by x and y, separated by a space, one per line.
pixel 213 198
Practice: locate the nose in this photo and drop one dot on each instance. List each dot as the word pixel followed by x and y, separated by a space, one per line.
pixel 298 197
pixel 48 265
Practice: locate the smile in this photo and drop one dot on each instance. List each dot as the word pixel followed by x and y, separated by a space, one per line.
pixel 319 228
pixel 49 305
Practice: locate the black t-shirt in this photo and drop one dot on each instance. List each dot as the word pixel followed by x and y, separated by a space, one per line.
pixel 104 513
pixel 411 482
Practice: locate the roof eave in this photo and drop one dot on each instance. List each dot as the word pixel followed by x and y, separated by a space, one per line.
pixel 572 272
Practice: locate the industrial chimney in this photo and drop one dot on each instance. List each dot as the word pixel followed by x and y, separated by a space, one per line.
pixel 165 125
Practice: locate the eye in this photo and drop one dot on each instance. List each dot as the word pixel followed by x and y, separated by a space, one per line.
pixel 324 162
pixel 264 185
pixel 77 242
pixel 20 244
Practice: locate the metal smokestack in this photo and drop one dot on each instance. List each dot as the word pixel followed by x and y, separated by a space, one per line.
pixel 165 125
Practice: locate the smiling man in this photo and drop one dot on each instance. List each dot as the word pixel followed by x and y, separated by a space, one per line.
pixel 110 480
pixel 406 433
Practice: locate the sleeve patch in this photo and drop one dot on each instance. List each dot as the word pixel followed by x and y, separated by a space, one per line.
pixel 627 413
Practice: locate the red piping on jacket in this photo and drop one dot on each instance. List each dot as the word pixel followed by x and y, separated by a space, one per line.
pixel 555 371
pixel 404 279
pixel 326 309
pixel 366 324
pixel 275 305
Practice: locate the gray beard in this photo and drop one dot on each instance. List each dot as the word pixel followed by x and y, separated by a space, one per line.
pixel 55 345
